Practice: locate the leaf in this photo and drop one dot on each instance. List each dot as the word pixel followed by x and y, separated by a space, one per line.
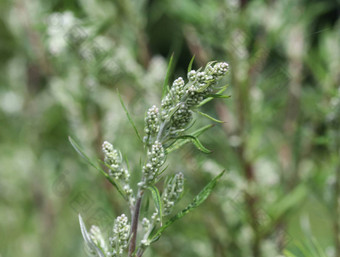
pixel 167 76
pixel 288 254
pixel 197 201
pixel 112 181
pixel 129 117
pixel 157 200
pixel 211 98
pixel 209 117
pixel 288 202
pixel 196 143
pixel 89 161
pixel 90 244
pixel 190 63
pixel 309 248
pixel 180 142
pixel 219 96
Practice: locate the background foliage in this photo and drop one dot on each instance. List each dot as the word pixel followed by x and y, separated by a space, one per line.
pixel 61 63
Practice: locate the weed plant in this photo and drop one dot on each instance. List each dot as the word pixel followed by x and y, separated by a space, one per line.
pixel 166 129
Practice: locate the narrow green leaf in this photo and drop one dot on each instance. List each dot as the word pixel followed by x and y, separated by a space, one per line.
pixel 307 249
pixel 197 201
pixel 209 117
pixel 157 200
pixel 289 201
pixel 288 254
pixel 211 98
pixel 180 142
pixel 196 143
pixel 318 248
pixel 167 76
pixel 94 165
pixel 190 63
pixel 112 181
pixel 219 96
pixel 129 117
pixel 81 153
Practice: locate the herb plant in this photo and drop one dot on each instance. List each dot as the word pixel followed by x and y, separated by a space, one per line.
pixel 166 129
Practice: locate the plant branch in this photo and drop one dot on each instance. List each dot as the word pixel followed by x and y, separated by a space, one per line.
pixel 134 224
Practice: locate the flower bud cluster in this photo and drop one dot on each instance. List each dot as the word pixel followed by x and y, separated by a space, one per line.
pixel 166 104
pixel 147 227
pixel 181 117
pixel 177 90
pixel 155 160
pixel 220 69
pixel 176 113
pixel 113 159
pixel 203 82
pixel 172 192
pixel 151 122
pixel 97 237
pixel 121 235
pixel 184 97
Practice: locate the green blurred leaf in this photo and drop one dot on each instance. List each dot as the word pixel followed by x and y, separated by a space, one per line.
pixel 289 201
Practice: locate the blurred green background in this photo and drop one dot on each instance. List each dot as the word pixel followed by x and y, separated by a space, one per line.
pixel 61 63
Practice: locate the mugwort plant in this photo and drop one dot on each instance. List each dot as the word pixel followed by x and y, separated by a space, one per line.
pixel 166 129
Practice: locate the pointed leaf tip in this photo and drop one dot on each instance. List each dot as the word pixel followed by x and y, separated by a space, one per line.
pixel 129 117
pixel 167 76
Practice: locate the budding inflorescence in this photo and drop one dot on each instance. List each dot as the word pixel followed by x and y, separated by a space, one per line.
pixel 179 103
pixel 151 123
pixel 172 192
pixel 113 159
pixel 121 234
pixel 155 159
pixel 164 125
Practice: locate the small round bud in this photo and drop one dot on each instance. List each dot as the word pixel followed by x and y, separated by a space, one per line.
pixel 192 75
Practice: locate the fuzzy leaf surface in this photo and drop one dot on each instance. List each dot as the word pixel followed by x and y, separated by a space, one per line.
pixel 90 244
